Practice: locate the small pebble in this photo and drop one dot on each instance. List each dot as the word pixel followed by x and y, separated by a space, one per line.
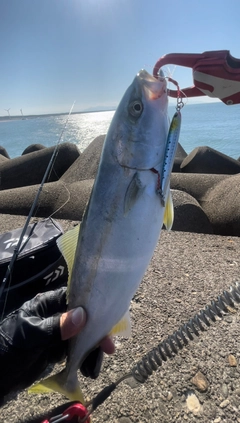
pixel 224 390
pixel 193 403
pixel 200 381
pixel 237 391
pixel 232 360
pixel 132 383
pixel 224 404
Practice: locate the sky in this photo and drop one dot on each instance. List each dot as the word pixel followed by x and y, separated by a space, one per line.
pixel 56 52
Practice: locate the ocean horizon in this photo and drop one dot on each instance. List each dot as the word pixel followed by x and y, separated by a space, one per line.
pixel 203 124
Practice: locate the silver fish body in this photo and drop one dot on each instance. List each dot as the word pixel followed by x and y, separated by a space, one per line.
pixel 123 219
pixel 120 228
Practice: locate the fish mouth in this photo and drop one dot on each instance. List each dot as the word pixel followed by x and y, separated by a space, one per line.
pixel 142 125
pixel 153 88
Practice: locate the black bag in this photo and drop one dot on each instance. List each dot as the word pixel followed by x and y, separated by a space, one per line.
pixel 39 267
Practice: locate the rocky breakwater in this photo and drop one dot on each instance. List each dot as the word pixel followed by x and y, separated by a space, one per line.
pixel 205 186
pixel 211 179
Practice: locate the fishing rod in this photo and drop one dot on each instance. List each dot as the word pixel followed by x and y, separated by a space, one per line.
pixel 20 245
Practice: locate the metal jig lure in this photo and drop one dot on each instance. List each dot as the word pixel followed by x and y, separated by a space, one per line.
pixel 171 148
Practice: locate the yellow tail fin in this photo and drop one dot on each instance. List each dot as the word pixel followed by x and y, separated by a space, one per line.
pixel 57 383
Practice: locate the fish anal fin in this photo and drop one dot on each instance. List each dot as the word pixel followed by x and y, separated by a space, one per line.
pixel 56 383
pixel 67 244
pixel 134 190
pixel 168 213
pixel 123 327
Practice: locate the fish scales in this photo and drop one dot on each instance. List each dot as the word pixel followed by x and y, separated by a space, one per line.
pixel 122 222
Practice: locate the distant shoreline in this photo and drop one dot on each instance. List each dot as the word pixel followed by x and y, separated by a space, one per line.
pixel 8 118
pixel 110 109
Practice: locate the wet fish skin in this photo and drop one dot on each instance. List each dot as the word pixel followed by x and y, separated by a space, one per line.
pixel 122 222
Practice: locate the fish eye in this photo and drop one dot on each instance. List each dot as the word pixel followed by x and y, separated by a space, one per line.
pixel 136 108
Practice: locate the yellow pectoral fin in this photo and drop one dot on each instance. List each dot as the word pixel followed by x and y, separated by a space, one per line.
pixel 56 383
pixel 67 244
pixel 168 213
pixel 123 327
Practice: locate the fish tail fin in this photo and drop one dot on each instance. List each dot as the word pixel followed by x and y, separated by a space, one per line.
pixel 57 383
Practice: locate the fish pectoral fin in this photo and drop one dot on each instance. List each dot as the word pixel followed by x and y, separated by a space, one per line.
pixel 67 244
pixel 123 327
pixel 56 383
pixel 134 190
pixel 168 213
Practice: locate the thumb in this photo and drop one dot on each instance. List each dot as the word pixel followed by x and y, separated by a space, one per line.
pixel 72 322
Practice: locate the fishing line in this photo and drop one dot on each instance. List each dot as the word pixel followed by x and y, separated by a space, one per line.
pixel 169 78
pixel 8 276
pixel 50 169
pixel 64 204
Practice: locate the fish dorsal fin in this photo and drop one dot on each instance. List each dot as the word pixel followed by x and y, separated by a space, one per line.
pixel 67 244
pixel 168 213
pixel 123 327
pixel 135 189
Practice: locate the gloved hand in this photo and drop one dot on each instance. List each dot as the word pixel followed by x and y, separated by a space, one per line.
pixel 35 336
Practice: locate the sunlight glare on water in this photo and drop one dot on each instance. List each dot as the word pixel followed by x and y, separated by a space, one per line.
pixel 82 128
pixel 215 125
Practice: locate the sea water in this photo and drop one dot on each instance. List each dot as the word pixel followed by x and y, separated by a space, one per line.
pixel 208 124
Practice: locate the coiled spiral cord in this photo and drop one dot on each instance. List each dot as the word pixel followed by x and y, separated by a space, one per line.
pixel 170 346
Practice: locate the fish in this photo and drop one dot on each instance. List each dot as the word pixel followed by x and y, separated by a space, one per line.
pixel 108 254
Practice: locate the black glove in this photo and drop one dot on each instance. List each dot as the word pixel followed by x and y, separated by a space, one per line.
pixel 30 340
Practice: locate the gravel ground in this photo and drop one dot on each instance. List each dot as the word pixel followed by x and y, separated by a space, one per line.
pixel 187 271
